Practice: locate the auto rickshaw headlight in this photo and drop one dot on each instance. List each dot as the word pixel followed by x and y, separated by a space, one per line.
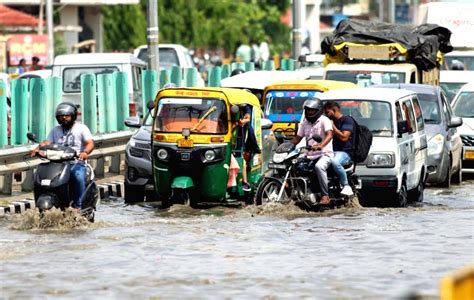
pixel 162 154
pixel 210 155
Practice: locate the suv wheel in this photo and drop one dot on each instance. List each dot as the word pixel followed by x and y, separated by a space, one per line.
pixel 134 193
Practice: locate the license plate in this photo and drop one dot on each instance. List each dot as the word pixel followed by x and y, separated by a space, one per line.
pixel 469 154
pixel 185 143
pixel 276 166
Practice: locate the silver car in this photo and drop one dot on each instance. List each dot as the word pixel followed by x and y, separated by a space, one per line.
pixel 444 141
pixel 138 172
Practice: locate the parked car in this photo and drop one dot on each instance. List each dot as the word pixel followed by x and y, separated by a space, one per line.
pixel 395 170
pixel 463 106
pixel 452 81
pixel 70 67
pixel 444 141
pixel 138 172
pixel 170 55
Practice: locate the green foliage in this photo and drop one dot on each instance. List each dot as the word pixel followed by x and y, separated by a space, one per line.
pixel 200 23
pixel 59 45
pixel 124 27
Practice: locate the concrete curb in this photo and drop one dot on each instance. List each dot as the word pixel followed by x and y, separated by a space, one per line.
pixel 106 190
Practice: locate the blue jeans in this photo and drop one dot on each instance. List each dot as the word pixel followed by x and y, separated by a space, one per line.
pixel 78 177
pixel 340 158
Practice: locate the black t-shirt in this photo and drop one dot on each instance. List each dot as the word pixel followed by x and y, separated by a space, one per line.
pixel 345 123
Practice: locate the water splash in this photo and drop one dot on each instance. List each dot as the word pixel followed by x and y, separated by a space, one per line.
pixel 54 219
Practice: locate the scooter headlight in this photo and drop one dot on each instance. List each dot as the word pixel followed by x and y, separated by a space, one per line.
pixel 209 155
pixel 162 154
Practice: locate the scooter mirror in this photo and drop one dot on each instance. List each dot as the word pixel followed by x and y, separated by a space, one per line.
pixel 317 138
pixel 31 136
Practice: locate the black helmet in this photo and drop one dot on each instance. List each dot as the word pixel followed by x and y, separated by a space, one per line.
pixel 66 109
pixel 313 108
pixel 237 71
pixel 457 65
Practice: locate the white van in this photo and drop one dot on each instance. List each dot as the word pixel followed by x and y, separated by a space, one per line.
pixel 70 67
pixel 394 172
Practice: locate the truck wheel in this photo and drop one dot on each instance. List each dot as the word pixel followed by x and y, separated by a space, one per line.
pixel 267 191
pixel 134 193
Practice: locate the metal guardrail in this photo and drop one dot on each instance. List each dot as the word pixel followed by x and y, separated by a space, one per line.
pixel 17 158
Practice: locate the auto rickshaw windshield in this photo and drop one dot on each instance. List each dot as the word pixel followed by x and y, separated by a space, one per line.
pixel 200 115
pixel 287 102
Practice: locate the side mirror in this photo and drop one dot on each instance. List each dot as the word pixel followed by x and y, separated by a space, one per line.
pixel 402 127
pixel 234 109
pixel 266 124
pixel 32 137
pixel 133 122
pixel 455 122
pixel 150 105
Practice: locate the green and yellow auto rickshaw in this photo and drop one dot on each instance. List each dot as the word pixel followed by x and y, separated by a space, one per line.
pixel 197 153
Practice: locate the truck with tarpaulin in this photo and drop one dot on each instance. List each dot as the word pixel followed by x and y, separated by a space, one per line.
pixel 366 53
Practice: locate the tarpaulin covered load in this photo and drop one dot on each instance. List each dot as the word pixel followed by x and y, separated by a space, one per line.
pixel 420 44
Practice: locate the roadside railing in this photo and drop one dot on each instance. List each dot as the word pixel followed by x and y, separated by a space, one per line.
pixel 15 160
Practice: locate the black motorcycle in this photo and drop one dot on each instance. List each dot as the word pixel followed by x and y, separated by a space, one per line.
pixel 52 184
pixel 292 177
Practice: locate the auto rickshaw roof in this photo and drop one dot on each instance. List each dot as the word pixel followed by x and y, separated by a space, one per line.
pixel 322 85
pixel 234 96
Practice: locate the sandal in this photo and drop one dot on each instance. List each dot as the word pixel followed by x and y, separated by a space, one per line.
pixel 324 200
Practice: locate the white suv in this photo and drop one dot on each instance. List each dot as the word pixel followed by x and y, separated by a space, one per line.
pixel 170 55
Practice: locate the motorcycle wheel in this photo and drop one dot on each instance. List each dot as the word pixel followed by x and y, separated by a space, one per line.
pixel 267 191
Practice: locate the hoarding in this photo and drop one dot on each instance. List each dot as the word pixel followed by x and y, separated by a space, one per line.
pixel 26 46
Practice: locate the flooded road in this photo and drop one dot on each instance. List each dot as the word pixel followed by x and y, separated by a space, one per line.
pixel 141 252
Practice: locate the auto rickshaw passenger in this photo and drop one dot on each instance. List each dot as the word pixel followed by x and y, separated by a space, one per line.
pixel 245 137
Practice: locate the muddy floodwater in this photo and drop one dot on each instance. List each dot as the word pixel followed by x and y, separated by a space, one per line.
pixel 139 252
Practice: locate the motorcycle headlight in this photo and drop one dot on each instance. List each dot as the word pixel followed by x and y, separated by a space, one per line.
pixel 162 154
pixel 209 155
pixel 381 160
pixel 435 145
pixel 279 157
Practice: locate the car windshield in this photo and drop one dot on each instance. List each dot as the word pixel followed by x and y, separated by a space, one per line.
pixel 451 62
pixel 283 103
pixel 464 105
pixel 451 89
pixel 72 76
pixel 168 57
pixel 366 78
pixel 430 108
pixel 376 115
pixel 200 115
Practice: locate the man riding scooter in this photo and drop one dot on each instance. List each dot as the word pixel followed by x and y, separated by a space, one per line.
pixel 77 136
pixel 314 122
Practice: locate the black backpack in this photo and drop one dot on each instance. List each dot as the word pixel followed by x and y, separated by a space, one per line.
pixel 362 142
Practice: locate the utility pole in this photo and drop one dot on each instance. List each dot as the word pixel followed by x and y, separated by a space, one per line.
pixel 153 36
pixel 49 23
pixel 297 30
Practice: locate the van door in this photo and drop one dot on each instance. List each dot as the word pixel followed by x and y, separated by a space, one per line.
pixel 452 135
pixel 413 145
pixel 421 141
pixel 406 141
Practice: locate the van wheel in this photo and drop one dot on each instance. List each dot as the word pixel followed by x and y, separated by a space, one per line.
pixel 401 198
pixel 417 194
pixel 134 193
pixel 457 177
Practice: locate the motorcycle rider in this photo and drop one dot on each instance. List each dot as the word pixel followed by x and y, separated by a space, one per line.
pixel 343 128
pixel 314 122
pixel 77 136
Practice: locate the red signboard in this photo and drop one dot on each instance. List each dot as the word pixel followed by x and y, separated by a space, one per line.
pixel 26 46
